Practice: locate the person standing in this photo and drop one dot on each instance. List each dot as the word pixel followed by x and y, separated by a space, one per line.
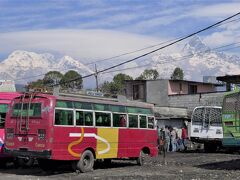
pixel 167 138
pixel 173 139
pixel 184 136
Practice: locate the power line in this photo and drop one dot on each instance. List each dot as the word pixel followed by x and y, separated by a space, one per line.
pixel 174 42
pixel 101 60
pixel 176 59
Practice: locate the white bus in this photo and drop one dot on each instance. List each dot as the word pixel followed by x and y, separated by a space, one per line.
pixel 206 127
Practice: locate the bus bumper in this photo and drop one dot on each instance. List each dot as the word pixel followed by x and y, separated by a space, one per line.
pixel 46 154
pixel 231 142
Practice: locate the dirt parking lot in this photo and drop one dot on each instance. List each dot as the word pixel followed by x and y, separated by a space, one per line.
pixel 188 165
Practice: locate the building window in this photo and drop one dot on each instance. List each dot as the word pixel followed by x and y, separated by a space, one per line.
pixel 135 92
pixel 192 89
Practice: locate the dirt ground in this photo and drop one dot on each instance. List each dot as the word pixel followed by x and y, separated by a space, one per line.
pixel 188 165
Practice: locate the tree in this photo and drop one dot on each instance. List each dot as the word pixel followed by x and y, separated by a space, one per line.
pixel 116 85
pixel 52 77
pixel 71 80
pixel 35 85
pixel 177 74
pixel 148 74
pixel 119 80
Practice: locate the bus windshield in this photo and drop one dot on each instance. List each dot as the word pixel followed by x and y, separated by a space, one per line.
pixel 23 109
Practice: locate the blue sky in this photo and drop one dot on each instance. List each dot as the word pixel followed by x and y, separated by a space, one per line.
pixel 96 29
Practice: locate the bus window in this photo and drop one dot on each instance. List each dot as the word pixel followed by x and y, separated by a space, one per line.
pixel 20 109
pixel 143 121
pixel 64 104
pixel 3 111
pixel 151 122
pixel 133 121
pixel 103 119
pixel 82 105
pixel 121 109
pixel 198 115
pixel 63 117
pixel 119 120
pixel 84 118
pixel 101 107
pixel 230 103
pixel 216 117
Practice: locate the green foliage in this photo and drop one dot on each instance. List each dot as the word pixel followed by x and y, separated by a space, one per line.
pixel 35 84
pixel 55 77
pixel 116 85
pixel 52 77
pixel 148 74
pixel 71 79
pixel 177 74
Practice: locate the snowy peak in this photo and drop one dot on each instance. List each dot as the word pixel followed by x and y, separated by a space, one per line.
pixel 27 65
pixel 28 59
pixel 70 63
pixel 195 45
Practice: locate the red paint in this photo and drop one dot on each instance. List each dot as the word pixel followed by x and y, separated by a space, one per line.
pixel 130 142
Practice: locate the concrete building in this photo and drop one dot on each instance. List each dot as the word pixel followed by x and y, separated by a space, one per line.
pixel 174 99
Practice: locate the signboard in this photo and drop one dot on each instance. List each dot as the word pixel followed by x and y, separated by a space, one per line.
pixel 7 86
pixel 94 93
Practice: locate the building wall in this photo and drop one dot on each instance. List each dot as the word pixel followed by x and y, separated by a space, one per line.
pixel 193 100
pixel 177 88
pixel 181 87
pixel 202 88
pixel 157 92
pixel 128 90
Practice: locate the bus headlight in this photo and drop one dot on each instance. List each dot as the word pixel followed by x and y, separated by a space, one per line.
pixel 218 131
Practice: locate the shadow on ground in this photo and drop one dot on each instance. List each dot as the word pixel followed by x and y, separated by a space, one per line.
pixel 223 165
pixel 62 169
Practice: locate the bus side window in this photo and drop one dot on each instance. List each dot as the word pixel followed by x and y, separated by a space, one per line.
pixel 143 121
pixel 103 119
pixel 88 118
pixel 63 117
pixel 133 121
pixel 79 118
pixel 119 120
pixel 151 122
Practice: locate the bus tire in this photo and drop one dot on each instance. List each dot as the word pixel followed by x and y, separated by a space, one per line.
pixel 140 159
pixel 25 162
pixel 86 162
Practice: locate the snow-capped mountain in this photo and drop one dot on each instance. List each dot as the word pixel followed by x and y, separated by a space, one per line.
pixel 196 60
pixel 24 66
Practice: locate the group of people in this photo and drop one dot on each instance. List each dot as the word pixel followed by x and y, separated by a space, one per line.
pixel 172 139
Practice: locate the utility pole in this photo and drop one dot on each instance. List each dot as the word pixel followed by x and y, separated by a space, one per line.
pixel 96 77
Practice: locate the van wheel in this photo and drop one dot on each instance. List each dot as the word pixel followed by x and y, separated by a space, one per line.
pixel 140 159
pixel 86 162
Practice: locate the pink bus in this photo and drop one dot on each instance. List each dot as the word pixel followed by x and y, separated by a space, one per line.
pixel 5 100
pixel 79 130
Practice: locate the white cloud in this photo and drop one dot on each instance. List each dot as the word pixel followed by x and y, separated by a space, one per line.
pixel 216 10
pixel 81 44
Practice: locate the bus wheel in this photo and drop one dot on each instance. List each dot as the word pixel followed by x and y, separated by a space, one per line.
pixel 140 159
pixel 25 162
pixel 86 162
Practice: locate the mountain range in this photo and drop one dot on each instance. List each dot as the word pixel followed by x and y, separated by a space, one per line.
pixel 196 60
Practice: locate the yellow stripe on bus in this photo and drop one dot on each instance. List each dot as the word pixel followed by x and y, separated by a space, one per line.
pixel 107 144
